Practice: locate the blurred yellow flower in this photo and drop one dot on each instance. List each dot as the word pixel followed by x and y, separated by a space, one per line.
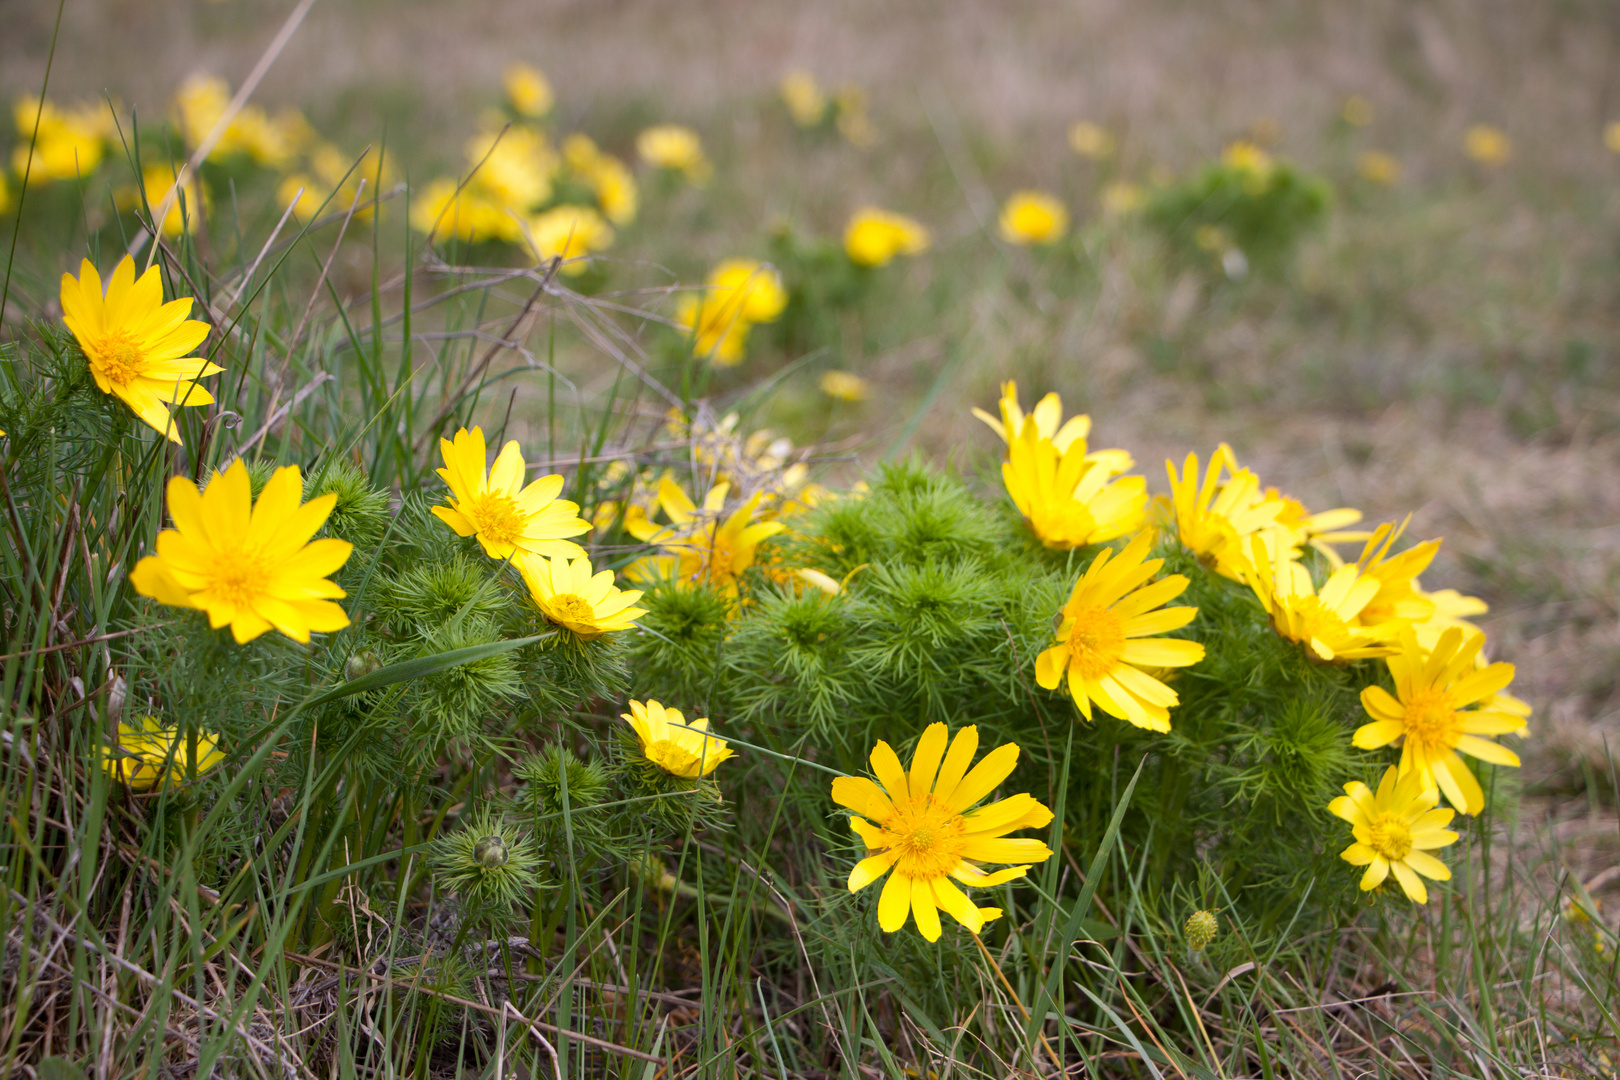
pixel 1357 111
pixel 1489 146
pixel 148 754
pixel 737 294
pixel 1033 217
pixel 845 386
pixel 1122 197
pixel 138 347
pixel 1377 167
pixel 1611 136
pixel 513 168
pixel 70 143
pixel 202 100
pixel 251 565
pixel 1320 530
pixel 804 98
pixel 469 214
pixel 669 742
pixel 1395 830
pixel 1245 156
pixel 616 191
pixel 677 148
pixel 569 233
pixel 570 595
pixel 580 153
pixel 854 124
pixel 1091 141
pixel 1067 499
pixel 5 195
pixel 505 514
pixel 527 90
pixel 874 236
pixel 924 829
pixel 719 334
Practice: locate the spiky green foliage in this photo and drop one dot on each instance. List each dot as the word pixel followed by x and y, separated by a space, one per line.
pixel 488 864
pixel 1263 213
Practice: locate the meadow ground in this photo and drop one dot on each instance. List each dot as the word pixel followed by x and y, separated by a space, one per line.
pixel 1447 346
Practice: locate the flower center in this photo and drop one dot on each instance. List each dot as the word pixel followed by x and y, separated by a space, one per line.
pixel 1096 642
pixel 239 577
pixel 569 608
pixel 495 516
pixel 1431 719
pixel 1318 621
pixel 927 834
pixel 119 358
pixel 1390 836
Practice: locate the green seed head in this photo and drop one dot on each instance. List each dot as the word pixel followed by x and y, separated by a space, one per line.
pixel 490 851
pixel 1202 926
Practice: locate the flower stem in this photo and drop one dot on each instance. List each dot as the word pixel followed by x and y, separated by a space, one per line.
pixel 991 960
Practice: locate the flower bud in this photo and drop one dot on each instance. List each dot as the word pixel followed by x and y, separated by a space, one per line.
pixel 490 852
pixel 1202 926
pixel 361 664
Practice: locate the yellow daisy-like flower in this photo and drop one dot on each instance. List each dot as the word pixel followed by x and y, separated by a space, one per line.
pixel 1215 520
pixel 616 191
pixel 1104 640
pixel 668 741
pixel 699 547
pixel 139 348
pixel 922 826
pixel 1067 499
pixel 572 597
pixel 514 167
pixel 569 233
pixel 1489 146
pixel 1430 714
pixel 804 98
pixel 737 294
pixel 528 90
pixel 149 754
pixel 1397 596
pixel 1395 830
pixel 874 236
pixel 469 213
pixel 675 147
pixel 1033 217
pixel 70 144
pixel 1325 621
pixel 1320 530
pixel 250 565
pixel 845 386
pixel 496 507
pixel 1048 417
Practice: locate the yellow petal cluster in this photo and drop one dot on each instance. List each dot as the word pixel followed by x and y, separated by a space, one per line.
pixel 682 749
pixel 697 546
pixel 1033 217
pixel 1395 829
pixel 804 98
pixel 70 143
pixel 1049 422
pixel 1067 499
pixel 527 90
pixel 505 514
pixel 570 595
pixel 921 825
pixel 148 755
pixel 1326 621
pixel 874 236
pixel 677 148
pixel 738 294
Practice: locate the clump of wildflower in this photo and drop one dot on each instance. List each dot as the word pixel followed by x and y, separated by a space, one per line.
pixel 676 148
pixel 845 386
pixel 1105 638
pixel 804 98
pixel 1252 162
pixel 1488 146
pixel 201 102
pixel 138 347
pixel 569 233
pixel 443 209
pixel 738 294
pixel 1215 519
pixel 922 826
pixel 874 236
pixel 70 142
pixel 505 515
pixel 186 206
pixel 1033 217
pixel 250 565
pixel 682 749
pixel 1395 830
pixel 527 90
pixel 1201 928
pixel 569 595
pixel 148 755
pixel 698 547
pixel 1091 141
pixel 1325 621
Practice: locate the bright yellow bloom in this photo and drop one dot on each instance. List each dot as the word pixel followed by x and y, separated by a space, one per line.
pixel 1091 141
pixel 718 336
pixel 1397 596
pixel 616 191
pixel 804 99
pixel 738 293
pixel 569 233
pixel 1122 197
pixel 202 100
pixel 845 386
pixel 250 565
pixel 569 595
pixel 505 515
pixel 1320 530
pixel 923 828
pixel 1033 217
pixel 1611 136
pixel 148 754
pixel 1395 830
pixel 1104 640
pixel 1324 621
pixel 157 181
pixel 1377 167
pixel 1246 157
pixel 138 347
pixel 528 90
pixel 469 214
pixel 512 168
pixel 675 147
pixel 697 545
pixel 1430 714
pixel 1489 146
pixel 1067 499
pixel 668 741
pixel 1049 422
pixel 1214 521
pixel 874 236
pixel 1357 111
pixel 70 144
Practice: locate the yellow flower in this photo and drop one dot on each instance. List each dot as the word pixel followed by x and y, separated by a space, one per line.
pixel 1320 530
pixel 668 741
pixel 1357 111
pixel 528 90
pixel 675 147
pixel 804 99
pixel 1323 621
pixel 1091 141
pixel 719 336
pixel 1429 713
pixel 513 169
pixel 157 181
pixel 1122 197
pixel 570 596
pixel 200 103
pixel 854 123
pixel 506 516
pixel 738 293
pixel 1377 167
pixel 1105 638
pixel 1214 521
pixel 147 754
pixel 469 214
pixel 845 386
pixel 1246 157
pixel 1611 136
pixel 1397 596
pixel 1069 500
pixel 569 233
pixel 697 545
pixel 1395 830
pixel 616 191
pixel 922 827
pixel 1049 422
pixel 1489 146
pixel 139 348
pixel 249 565
pixel 1033 217
pixel 70 142
pixel 5 195
pixel 874 236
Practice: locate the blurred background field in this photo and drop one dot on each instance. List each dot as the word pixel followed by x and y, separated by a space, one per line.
pixel 1446 342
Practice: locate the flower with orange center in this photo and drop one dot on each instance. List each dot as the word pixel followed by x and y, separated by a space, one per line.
pixel 569 595
pixel 1429 712
pixel 1324 621
pixel 697 546
pixel 506 516
pixel 139 348
pixel 1320 530
pixel 923 828
pixel 1048 417
pixel 1067 498
pixel 682 749
pixel 1105 638
pixel 1215 519
pixel 1395 830
pixel 250 565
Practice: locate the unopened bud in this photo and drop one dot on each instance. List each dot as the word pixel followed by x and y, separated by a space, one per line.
pixel 490 852
pixel 361 664
pixel 1202 926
